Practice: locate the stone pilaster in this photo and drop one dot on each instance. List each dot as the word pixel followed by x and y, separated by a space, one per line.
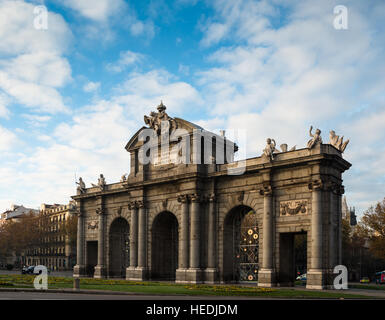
pixel 194 273
pixel 79 268
pixel 130 271
pixel 100 269
pixel 141 270
pixel 211 272
pixel 340 192
pixel 266 275
pixel 183 259
pixel 316 275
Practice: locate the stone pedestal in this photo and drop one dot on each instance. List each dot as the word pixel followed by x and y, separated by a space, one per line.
pixel 266 278
pixel 211 275
pixel 137 274
pixel 315 279
pixel 100 272
pixel 180 275
pixel 194 275
pixel 130 273
pixel 79 271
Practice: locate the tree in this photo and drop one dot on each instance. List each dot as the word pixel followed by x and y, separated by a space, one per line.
pixel 373 227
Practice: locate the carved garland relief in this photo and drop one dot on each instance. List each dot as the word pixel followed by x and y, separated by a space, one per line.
pixel 293 207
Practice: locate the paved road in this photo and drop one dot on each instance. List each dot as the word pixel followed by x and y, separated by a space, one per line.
pixel 85 296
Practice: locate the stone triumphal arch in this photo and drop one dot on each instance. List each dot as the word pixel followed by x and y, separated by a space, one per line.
pixel 194 218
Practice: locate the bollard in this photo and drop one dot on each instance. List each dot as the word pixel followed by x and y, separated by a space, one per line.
pixel 76 284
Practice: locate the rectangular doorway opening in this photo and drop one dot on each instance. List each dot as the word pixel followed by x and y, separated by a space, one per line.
pixel 92 257
pixel 292 258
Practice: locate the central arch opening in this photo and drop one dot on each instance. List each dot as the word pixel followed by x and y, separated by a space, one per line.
pixel 164 250
pixel 240 245
pixel 119 247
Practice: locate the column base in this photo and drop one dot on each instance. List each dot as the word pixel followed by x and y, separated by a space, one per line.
pixel 211 275
pixel 315 279
pixel 100 272
pixel 79 271
pixel 266 278
pixel 136 273
pixel 194 275
pixel 180 275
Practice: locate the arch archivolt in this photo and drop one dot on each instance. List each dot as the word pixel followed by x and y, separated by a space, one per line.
pixel 251 199
pixel 169 206
pixel 120 212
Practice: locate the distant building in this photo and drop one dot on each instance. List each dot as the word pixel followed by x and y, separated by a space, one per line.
pixel 348 213
pixel 56 250
pixel 16 212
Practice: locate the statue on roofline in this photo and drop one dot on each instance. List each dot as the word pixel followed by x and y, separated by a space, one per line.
pixel 316 138
pixel 155 120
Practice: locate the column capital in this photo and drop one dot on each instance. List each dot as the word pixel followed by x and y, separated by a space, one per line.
pixel 340 189
pixel 132 205
pixel 99 211
pixel 183 198
pixel 316 185
pixel 266 190
pixel 195 197
pixel 140 204
pixel 212 197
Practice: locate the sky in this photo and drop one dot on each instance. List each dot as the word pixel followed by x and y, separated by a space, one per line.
pixel 74 91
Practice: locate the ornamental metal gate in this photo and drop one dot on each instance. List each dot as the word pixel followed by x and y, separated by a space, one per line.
pixel 246 246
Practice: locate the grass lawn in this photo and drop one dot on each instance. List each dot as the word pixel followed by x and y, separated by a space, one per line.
pixel 367 286
pixel 26 281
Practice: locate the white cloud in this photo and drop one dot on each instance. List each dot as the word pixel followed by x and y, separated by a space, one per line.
pixel 4 101
pixel 18 34
pixel 147 89
pixel 106 13
pixel 36 120
pixel 32 65
pixel 127 58
pixel 91 86
pixel 7 139
pixel 99 10
pixel 45 68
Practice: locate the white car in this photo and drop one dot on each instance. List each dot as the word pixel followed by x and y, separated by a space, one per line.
pixel 302 277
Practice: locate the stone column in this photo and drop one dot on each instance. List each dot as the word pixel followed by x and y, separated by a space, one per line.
pixel 130 271
pixel 183 258
pixel 340 192
pixel 194 274
pixel 142 243
pixel 315 275
pixel 100 269
pixel 333 223
pixel 266 276
pixel 79 268
pixel 211 271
